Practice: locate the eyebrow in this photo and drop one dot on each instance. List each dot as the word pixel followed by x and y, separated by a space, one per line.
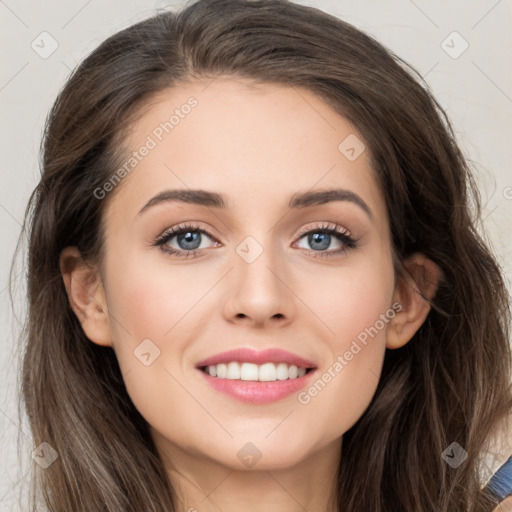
pixel 298 200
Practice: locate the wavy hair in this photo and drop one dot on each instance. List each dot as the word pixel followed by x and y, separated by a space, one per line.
pixel 451 382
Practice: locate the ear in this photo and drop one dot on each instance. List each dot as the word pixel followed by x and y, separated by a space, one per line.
pixel 420 280
pixel 86 296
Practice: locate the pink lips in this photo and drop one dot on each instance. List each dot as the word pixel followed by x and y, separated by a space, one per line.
pixel 245 355
pixel 254 391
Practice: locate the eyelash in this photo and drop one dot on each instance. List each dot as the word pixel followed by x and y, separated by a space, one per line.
pixel 331 229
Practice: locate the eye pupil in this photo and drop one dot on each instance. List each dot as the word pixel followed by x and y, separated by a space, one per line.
pixel 188 238
pixel 323 239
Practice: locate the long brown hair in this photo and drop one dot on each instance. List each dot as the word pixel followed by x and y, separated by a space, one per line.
pixel 452 382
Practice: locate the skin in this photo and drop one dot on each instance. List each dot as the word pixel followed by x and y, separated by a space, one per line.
pixel 504 506
pixel 257 145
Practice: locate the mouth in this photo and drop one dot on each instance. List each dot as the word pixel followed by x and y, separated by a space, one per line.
pixel 256 376
pixel 267 372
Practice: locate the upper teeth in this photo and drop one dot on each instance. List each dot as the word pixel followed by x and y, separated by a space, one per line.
pixel 248 371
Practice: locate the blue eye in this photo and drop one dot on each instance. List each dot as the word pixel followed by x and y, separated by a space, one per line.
pixel 186 241
pixel 320 239
pixel 188 238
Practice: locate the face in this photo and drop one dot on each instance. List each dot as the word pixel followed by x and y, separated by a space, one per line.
pixel 293 281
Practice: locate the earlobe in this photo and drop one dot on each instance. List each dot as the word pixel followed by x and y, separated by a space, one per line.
pixel 86 296
pixel 419 283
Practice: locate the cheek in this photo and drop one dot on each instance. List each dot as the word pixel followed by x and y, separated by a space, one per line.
pixel 148 297
pixel 154 309
pixel 357 308
pixel 150 323
pixel 351 299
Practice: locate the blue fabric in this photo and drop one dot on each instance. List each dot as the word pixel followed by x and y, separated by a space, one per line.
pixel 501 482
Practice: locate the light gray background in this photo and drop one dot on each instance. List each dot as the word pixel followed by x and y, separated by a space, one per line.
pixel 475 89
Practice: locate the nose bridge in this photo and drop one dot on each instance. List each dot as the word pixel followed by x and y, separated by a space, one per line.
pixel 259 292
pixel 256 258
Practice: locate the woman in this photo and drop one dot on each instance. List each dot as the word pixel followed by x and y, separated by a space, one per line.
pixel 255 280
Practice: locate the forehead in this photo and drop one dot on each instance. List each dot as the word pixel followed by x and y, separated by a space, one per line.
pixel 252 142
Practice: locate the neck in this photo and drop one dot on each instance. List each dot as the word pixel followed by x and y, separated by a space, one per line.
pixel 205 485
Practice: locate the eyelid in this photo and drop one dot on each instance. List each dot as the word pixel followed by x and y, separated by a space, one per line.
pixel 324 226
pixel 195 226
pixel 188 225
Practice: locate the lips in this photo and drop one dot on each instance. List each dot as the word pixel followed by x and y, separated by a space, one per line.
pixel 239 374
pixel 244 355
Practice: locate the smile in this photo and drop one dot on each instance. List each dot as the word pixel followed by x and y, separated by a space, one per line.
pixel 268 372
pixel 257 377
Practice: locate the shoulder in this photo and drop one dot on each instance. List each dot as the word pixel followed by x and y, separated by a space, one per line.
pixel 504 506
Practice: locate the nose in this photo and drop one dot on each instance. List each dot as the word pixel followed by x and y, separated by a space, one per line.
pixel 258 292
